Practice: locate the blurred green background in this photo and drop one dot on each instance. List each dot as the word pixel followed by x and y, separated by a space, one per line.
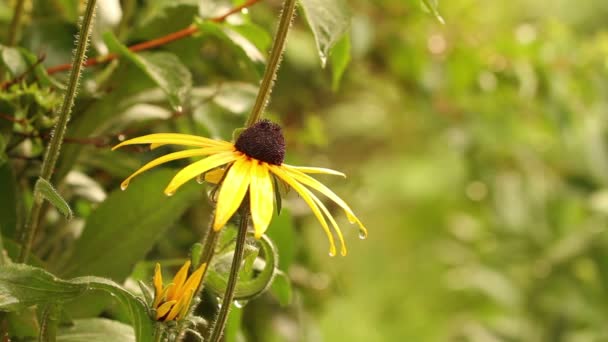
pixel 476 153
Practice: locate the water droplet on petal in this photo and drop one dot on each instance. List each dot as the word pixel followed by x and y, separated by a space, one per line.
pixel 170 193
pixel 124 185
pixel 332 252
pixel 200 179
pixel 362 234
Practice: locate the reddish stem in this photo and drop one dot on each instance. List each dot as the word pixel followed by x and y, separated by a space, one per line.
pixel 171 37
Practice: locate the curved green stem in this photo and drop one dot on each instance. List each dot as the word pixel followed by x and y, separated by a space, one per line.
pixel 15 23
pixel 274 62
pixel 239 250
pixel 54 148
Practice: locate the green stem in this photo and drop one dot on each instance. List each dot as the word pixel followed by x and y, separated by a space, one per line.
pixel 15 23
pixel 274 62
pixel 2 255
pixel 237 259
pixel 209 242
pixel 52 152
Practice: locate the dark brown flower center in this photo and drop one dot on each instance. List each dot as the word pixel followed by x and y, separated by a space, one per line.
pixel 263 141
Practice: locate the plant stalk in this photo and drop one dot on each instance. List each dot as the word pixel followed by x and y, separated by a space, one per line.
pixel 274 61
pixel 15 23
pixel 52 152
pixel 237 259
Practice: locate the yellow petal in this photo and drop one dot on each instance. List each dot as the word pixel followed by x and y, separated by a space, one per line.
pixel 261 196
pixel 172 138
pixel 163 309
pixel 232 191
pixel 158 285
pixel 170 157
pixel 287 177
pixel 315 184
pixel 180 278
pixel 197 168
pixel 186 306
pixel 306 169
pixel 194 279
pixel 215 176
pixel 180 306
pixel 343 250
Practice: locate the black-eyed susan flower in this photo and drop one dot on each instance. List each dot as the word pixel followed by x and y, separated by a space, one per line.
pixel 251 163
pixel 172 302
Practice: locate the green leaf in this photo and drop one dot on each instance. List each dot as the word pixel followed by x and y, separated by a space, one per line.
pixel 46 190
pixel 246 289
pixel 13 60
pixel 96 330
pixel 126 225
pixel 329 20
pixel 164 68
pixel 282 233
pixel 281 288
pixel 431 6
pixel 22 286
pixel 8 201
pixel 340 57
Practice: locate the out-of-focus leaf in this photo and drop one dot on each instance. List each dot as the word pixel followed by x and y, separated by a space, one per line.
pixel 340 57
pixel 281 288
pixel 233 331
pixel 12 60
pixel 126 225
pixel 254 34
pixel 22 286
pixel 96 330
pixel 432 7
pixel 23 324
pixel 240 44
pixel 164 68
pixel 236 97
pixel 8 201
pixel 282 233
pixel 46 190
pixel 329 20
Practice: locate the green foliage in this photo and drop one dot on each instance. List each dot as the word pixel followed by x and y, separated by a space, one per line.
pixel 45 190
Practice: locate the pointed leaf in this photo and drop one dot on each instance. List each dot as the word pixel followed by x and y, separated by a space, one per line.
pixel 329 20
pixel 46 190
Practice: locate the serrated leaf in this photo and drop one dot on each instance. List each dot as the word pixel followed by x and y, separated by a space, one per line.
pixel 22 286
pixel 126 225
pixel 432 7
pixel 164 68
pixel 329 20
pixel 96 330
pixel 46 190
pixel 340 57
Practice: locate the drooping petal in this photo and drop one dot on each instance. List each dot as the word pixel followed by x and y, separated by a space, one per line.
pixel 163 309
pixel 232 191
pixel 179 280
pixel 172 138
pixel 158 285
pixel 215 176
pixel 197 168
pixel 261 196
pixel 307 197
pixel 170 157
pixel 343 250
pixel 315 184
pixel 321 170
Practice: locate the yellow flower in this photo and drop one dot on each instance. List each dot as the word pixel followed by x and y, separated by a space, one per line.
pixel 251 163
pixel 173 301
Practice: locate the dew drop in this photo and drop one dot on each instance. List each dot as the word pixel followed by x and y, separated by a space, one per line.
pixel 170 193
pixel 332 252
pixel 240 303
pixel 124 186
pixel 362 234
pixel 323 59
pixel 200 179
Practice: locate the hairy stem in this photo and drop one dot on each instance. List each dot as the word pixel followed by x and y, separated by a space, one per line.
pixel 54 148
pixel 237 259
pixel 15 23
pixel 274 62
